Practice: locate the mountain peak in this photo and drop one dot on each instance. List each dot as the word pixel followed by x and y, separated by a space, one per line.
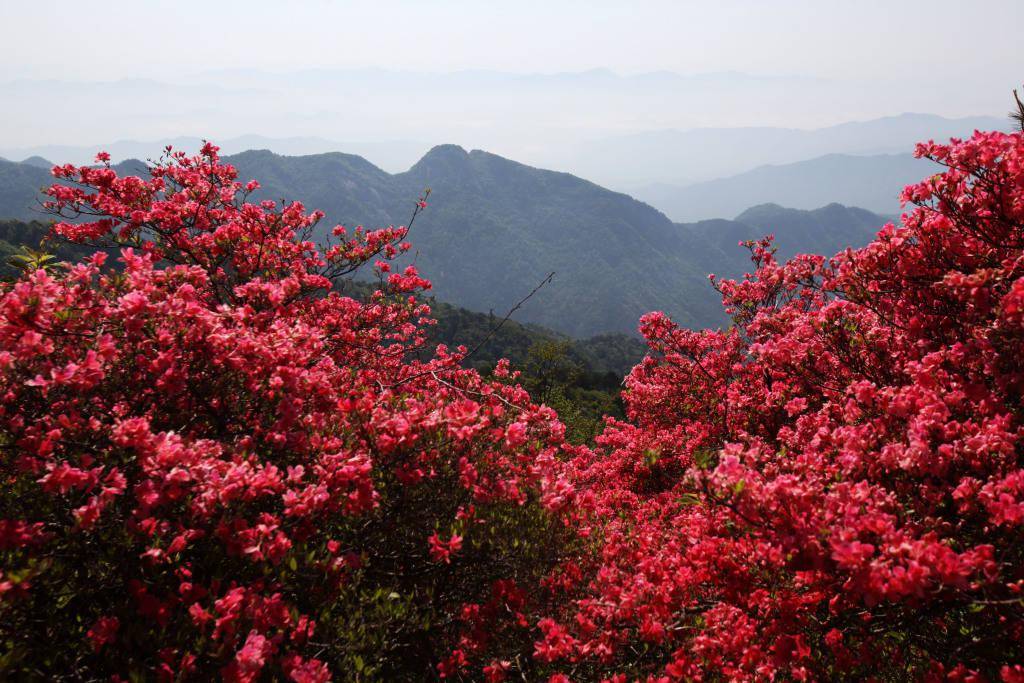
pixel 328 164
pixel 443 160
pixel 447 152
pixel 759 210
pixel 772 211
pixel 38 162
pixel 135 167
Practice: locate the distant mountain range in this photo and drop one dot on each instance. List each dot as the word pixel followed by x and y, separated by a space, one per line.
pixel 873 182
pixel 626 162
pixel 683 157
pixel 496 227
pixel 660 126
pixel 395 155
pixel 826 230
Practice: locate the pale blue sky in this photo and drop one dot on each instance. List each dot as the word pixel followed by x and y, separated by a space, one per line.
pixel 844 39
pixel 225 68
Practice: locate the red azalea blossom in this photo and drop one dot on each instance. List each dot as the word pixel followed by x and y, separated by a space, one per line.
pixel 442 550
pixel 250 468
pixel 104 631
pixel 834 486
pixel 209 438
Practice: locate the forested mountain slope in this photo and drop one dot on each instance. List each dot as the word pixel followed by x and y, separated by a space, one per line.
pixel 495 228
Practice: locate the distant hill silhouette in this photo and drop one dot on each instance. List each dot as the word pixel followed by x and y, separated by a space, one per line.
pixel 683 157
pixel 826 230
pixel 624 161
pixel 38 162
pixel 496 227
pixel 20 186
pixel 873 182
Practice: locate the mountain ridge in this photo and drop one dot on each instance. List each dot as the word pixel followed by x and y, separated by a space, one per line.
pixel 627 160
pixel 681 157
pixel 496 227
pixel 872 182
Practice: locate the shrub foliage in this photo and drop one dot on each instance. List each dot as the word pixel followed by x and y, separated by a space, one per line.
pixel 216 464
pixel 834 486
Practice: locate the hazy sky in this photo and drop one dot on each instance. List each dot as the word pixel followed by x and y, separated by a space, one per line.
pixel 865 39
pixel 69 70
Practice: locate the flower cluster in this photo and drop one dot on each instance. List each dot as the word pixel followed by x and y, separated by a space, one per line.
pixel 216 463
pixel 834 486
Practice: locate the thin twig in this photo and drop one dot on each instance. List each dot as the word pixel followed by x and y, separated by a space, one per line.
pixel 1018 115
pixel 494 330
pixel 486 339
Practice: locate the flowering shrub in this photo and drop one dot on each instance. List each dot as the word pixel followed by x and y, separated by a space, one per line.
pixel 834 486
pixel 217 465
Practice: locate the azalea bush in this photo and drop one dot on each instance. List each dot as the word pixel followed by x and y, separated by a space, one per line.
pixel 217 464
pixel 833 487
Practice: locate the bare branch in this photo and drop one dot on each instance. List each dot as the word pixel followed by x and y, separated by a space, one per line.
pixel 1018 115
pixel 494 330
